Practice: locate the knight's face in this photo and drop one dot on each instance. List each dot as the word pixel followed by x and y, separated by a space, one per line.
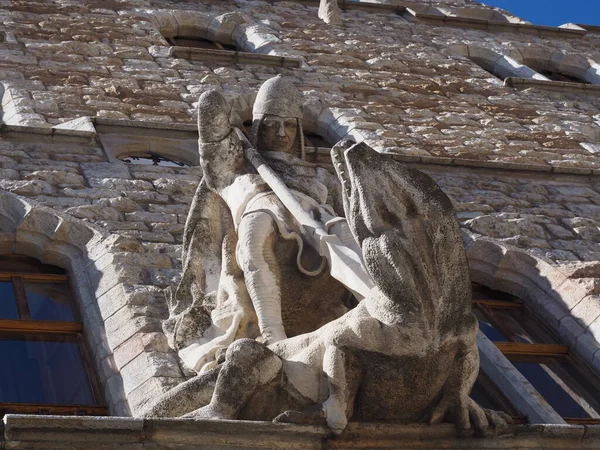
pixel 277 134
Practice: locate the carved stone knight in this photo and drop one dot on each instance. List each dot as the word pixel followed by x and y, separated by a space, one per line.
pixel 248 272
pixel 406 353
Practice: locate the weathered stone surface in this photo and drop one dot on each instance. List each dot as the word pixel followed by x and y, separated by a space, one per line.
pixel 491 148
pixel 43 432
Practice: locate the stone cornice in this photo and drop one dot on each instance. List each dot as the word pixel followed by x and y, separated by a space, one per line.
pixel 229 56
pixel 558 86
pixel 589 28
pixel 497 26
pixel 321 156
pixel 82 433
pixel 459 22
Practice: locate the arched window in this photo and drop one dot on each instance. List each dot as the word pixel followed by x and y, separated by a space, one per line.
pixel 501 66
pixel 569 386
pixel 226 38
pixel 45 365
pixel 558 65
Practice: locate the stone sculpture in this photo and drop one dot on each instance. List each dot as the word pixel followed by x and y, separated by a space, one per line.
pixel 247 270
pixel 406 353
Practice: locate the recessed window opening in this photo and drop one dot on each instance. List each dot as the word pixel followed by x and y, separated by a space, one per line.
pixel 46 367
pixel 565 382
pixel 558 76
pixel 152 159
pixel 197 42
pixel 315 140
pixel 485 66
pixel 247 127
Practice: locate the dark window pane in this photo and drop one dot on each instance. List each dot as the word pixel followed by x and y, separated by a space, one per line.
pixel 562 387
pixel 488 329
pixel 558 76
pixel 152 160
pixel 8 302
pixel 522 327
pixel 488 396
pixel 315 140
pixel 14 263
pixel 43 371
pixel 49 301
pixel 481 292
pixel 194 42
pixel 484 398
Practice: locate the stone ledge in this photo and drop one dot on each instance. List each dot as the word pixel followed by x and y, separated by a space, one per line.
pixel 126 433
pixel 203 54
pixel 496 165
pixel 461 22
pixel 558 86
pixel 361 5
pixel 589 28
pixel 493 25
pixel 189 131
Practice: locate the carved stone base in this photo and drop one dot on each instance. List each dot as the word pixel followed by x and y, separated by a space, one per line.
pixel 125 433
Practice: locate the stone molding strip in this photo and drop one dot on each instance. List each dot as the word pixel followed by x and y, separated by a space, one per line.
pixel 558 86
pixel 184 131
pixel 589 28
pixel 86 433
pixel 496 165
pixel 322 155
pixel 229 56
pixel 460 22
pixel 493 25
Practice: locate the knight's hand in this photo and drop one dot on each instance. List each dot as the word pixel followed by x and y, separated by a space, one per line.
pixel 213 117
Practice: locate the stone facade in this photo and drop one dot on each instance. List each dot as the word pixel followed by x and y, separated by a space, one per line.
pixel 86 82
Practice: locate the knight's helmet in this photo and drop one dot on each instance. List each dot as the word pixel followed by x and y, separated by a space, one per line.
pixel 278 97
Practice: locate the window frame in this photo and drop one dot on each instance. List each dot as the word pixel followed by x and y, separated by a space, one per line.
pixel 534 352
pixel 24 326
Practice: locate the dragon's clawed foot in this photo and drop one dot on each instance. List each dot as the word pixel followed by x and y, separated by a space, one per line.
pixel 207 412
pixel 469 417
pixel 312 416
pixel 320 414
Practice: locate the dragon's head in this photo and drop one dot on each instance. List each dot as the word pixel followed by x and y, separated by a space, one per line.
pixel 404 223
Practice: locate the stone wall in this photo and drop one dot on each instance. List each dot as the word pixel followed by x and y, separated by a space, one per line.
pixel 520 165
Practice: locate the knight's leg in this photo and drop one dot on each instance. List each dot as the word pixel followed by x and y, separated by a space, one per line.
pixel 255 256
pixel 248 366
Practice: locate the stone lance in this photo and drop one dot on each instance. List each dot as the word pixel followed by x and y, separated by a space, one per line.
pixel 345 265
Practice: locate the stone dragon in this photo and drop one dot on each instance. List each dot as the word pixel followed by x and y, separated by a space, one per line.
pixel 405 354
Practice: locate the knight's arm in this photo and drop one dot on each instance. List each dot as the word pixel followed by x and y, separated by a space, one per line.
pixel 221 153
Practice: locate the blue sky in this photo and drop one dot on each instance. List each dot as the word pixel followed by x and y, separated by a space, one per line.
pixel 552 12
